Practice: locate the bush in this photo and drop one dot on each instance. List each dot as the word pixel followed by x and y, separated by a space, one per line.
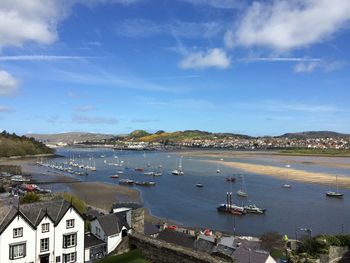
pixel 2 189
pixel 77 203
pixel 30 198
pixel 271 240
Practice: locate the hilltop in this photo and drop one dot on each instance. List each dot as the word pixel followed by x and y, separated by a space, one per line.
pixel 315 134
pixel 71 137
pixel 179 136
pixel 13 145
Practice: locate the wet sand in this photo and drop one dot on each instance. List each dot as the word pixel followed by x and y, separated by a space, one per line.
pixel 282 173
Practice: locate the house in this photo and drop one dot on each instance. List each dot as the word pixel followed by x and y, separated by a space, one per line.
pixel 41 232
pixel 94 248
pixel 111 229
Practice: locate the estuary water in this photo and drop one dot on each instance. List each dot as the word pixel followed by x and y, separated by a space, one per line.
pixel 176 197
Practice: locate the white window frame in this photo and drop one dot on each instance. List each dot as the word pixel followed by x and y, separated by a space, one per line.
pixel 70 257
pixel 72 240
pixel 44 245
pixel 70 223
pixel 15 252
pixel 18 232
pixel 45 227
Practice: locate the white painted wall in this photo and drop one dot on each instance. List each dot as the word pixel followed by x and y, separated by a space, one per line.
pixel 270 260
pixel 50 235
pixel 61 230
pixel 6 238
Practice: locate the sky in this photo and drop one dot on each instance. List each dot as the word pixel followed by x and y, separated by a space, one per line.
pixel 114 66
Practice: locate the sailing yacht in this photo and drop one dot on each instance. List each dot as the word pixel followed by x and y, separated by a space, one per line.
pixel 336 194
pixel 241 192
pixel 178 171
pixel 286 184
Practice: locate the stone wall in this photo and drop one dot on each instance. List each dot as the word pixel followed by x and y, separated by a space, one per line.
pixel 138 220
pixel 336 254
pixel 158 251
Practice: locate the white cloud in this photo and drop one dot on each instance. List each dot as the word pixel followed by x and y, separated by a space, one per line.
pixel 311 66
pixel 80 119
pixel 8 84
pixel 229 39
pixel 147 28
pixel 285 25
pixel 5 108
pixel 212 58
pixel 31 20
pixel 280 59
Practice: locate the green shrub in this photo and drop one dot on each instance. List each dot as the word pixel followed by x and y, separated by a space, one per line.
pixel 30 198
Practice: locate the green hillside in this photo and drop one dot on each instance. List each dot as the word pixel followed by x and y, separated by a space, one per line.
pixel 13 145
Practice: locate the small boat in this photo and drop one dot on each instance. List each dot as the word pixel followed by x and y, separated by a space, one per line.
pixel 115 176
pixel 254 209
pixel 178 170
pixel 231 179
pixel 218 171
pixel 335 193
pixel 139 169
pixel 158 174
pixel 199 185
pixel 286 186
pixel 145 183
pixel 149 173
pixel 126 182
pixel 120 172
pixel 242 193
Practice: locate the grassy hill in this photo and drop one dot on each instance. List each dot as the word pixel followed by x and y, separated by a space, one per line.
pixel 171 137
pixel 315 134
pixel 13 145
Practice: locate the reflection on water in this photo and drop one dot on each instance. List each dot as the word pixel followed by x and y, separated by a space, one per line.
pixel 177 198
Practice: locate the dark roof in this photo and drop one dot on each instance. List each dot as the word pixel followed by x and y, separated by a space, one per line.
pixel 91 241
pixel 150 229
pixel 131 205
pixel 113 223
pixel 178 238
pixel 243 255
pixel 92 214
pixel 35 212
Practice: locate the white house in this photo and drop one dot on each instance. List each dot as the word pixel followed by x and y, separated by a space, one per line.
pixel 45 232
pixel 111 229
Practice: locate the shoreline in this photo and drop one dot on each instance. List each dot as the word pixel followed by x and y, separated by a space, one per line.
pixel 104 194
pixel 282 173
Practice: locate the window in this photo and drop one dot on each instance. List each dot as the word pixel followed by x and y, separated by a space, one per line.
pixel 98 231
pixel 58 259
pixel 45 227
pixel 70 223
pixel 18 232
pixel 70 257
pixel 44 244
pixel 69 240
pixel 18 251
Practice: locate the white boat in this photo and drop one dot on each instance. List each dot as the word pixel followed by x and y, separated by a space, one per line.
pixel 242 192
pixel 286 184
pixel 179 170
pixel 254 209
pixel 19 178
pixel 335 193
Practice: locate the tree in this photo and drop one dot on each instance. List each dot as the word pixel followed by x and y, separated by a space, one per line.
pixel 30 198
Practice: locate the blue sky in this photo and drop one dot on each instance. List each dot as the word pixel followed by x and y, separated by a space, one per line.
pixel 113 66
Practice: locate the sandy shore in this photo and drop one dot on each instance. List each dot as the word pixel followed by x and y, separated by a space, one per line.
pixel 293 174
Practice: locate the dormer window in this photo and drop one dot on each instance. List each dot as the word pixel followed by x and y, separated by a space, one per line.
pixel 45 227
pixel 18 232
pixel 70 223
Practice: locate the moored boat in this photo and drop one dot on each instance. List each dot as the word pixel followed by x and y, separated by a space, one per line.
pixel 126 181
pixel 199 185
pixel 254 209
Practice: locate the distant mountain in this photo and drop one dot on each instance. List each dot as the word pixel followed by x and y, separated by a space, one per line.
pixel 13 145
pixel 71 137
pixel 314 134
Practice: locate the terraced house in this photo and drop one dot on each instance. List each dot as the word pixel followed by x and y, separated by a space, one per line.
pixel 45 232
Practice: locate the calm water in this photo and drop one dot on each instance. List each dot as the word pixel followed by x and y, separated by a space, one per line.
pixel 177 198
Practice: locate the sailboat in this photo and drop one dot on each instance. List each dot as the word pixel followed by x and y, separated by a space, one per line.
pixel 286 184
pixel 336 194
pixel 241 192
pixel 178 170
pixel 218 169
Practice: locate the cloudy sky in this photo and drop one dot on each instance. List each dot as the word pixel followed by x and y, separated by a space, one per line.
pixel 112 66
